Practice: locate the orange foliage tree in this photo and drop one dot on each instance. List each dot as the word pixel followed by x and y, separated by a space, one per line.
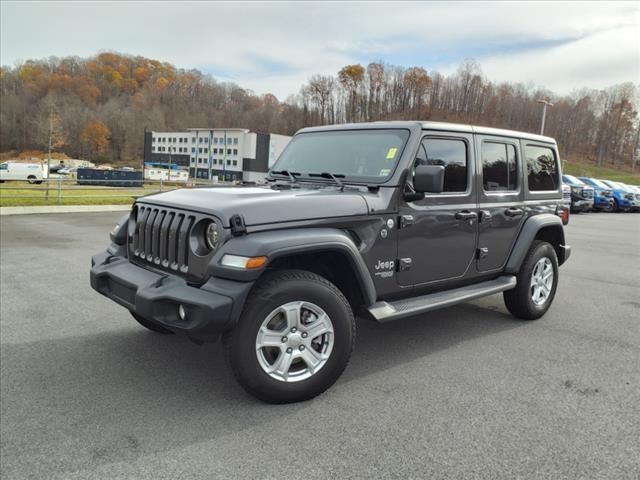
pixel 95 136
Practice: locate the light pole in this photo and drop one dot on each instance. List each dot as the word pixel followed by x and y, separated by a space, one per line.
pixel 545 104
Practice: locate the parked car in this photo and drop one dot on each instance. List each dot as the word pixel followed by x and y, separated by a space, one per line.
pixel 603 194
pixel 582 197
pixel 30 172
pixel 401 219
pixel 625 200
pixel 636 198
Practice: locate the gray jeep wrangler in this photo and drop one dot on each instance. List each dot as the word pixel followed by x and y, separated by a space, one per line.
pixel 387 220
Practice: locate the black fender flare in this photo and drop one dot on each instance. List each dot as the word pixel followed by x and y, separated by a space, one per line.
pixel 278 243
pixel 528 234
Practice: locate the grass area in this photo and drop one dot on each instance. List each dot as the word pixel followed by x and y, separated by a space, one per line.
pixel 603 173
pixel 18 194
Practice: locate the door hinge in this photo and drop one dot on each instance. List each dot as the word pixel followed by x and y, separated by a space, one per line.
pixel 405 221
pixel 482 252
pixel 404 264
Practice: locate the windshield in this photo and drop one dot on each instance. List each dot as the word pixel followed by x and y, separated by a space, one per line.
pixel 610 184
pixel 358 155
pixel 572 180
pixel 599 184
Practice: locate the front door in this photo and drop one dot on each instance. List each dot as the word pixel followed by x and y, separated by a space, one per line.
pixel 501 199
pixel 437 237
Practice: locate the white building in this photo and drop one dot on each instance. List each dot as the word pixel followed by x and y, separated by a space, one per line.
pixel 228 154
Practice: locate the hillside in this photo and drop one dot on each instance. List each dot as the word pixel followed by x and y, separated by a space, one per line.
pixel 99 107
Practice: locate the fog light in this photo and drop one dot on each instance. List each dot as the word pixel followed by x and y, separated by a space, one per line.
pixel 182 313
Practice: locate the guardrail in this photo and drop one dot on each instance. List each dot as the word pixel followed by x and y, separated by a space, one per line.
pixel 67 191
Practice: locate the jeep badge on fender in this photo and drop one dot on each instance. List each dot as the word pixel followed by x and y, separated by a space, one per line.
pixel 393 219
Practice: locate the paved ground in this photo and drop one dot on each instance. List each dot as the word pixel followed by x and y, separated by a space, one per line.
pixel 466 392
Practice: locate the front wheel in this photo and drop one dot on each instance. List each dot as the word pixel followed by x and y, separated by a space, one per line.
pixel 294 338
pixel 537 283
pixel 31 179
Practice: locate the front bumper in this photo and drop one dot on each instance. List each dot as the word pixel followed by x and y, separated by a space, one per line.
pixel 211 308
pixel 582 205
pixel 603 203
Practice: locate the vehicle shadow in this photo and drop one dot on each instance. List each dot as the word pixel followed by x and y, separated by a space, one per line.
pixel 117 395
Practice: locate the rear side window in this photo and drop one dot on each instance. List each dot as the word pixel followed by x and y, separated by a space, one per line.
pixel 452 155
pixel 542 168
pixel 499 167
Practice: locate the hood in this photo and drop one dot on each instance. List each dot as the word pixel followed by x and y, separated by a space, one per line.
pixel 262 205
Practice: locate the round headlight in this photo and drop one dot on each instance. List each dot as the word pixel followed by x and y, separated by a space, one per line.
pixel 212 235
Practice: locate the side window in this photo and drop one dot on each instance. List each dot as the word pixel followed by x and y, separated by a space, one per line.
pixel 542 168
pixel 4 166
pixel 452 155
pixel 499 167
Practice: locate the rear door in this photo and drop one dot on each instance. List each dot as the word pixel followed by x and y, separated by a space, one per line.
pixel 437 236
pixel 501 199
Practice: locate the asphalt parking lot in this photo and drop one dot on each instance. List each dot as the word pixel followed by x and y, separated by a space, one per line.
pixel 466 392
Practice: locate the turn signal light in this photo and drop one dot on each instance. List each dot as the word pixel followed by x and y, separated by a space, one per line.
pixel 247 263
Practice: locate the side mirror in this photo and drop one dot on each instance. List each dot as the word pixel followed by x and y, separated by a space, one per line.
pixel 429 179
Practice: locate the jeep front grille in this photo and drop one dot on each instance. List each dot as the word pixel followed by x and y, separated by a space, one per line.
pixel 161 237
pixel 587 193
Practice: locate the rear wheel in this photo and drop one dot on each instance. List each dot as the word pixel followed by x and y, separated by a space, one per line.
pixel 150 325
pixel 31 179
pixel 294 338
pixel 537 283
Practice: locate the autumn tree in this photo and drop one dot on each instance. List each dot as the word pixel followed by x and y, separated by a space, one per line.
pixel 95 136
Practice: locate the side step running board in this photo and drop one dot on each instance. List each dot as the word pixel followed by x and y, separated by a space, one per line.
pixel 388 311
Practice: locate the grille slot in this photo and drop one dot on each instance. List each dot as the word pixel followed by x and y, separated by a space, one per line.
pixel 161 237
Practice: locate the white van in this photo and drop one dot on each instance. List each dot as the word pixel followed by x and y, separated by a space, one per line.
pixel 30 172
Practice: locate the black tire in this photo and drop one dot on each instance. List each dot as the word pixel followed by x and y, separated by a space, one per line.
pixel 31 179
pixel 519 300
pixel 274 290
pixel 150 325
pixel 38 182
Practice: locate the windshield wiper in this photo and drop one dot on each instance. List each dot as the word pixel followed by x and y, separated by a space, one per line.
pixel 330 176
pixel 291 175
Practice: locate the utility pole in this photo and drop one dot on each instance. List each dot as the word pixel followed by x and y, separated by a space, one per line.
pixel 545 104
pixel 49 154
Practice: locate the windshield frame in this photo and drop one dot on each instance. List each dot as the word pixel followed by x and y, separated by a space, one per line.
pixel 304 177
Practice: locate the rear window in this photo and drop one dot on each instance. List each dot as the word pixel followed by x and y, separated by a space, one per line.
pixel 499 167
pixel 542 168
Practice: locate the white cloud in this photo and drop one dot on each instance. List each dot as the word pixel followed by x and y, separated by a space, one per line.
pixel 274 47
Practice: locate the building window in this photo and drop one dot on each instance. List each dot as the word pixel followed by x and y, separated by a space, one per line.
pixel 206 140
pixel 542 168
pixel 200 140
pixel 235 141
pixel 153 139
pixel 235 151
pixel 228 151
pixel 200 150
pixel 193 139
pixel 215 140
pixel 452 155
pixel 235 163
pixel 228 162
pixel 222 140
pixel 193 149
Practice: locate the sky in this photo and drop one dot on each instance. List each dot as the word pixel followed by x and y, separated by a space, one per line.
pixel 274 47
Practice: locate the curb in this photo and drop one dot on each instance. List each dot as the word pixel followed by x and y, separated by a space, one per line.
pixel 62 209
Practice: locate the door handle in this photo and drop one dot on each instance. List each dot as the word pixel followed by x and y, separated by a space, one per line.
pixel 466 215
pixel 513 212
